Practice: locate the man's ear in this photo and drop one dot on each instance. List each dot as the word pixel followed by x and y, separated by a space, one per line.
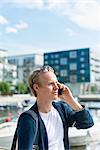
pixel 36 87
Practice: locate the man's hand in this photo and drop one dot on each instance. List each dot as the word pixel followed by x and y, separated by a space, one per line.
pixel 67 96
pixel 65 91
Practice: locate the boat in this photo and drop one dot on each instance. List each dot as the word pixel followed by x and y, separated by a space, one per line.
pixel 7 130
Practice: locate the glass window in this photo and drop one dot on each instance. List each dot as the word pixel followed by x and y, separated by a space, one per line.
pixel 83 78
pixel 46 62
pixel 82 53
pixel 12 61
pixel 52 62
pixel 73 54
pixel 73 78
pixel 63 61
pixel 82 71
pixel 56 56
pixel 73 66
pixel 52 55
pixel 57 67
pixel 27 60
pixel 46 56
pixel 56 61
pixel 82 65
pixel 82 59
pixel 63 73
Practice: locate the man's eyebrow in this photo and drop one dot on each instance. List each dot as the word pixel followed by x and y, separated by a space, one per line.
pixel 52 81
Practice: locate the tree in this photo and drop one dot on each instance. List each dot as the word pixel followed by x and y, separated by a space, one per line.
pixel 94 89
pixel 22 88
pixel 5 88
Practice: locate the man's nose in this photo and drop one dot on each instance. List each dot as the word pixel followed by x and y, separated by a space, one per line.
pixel 56 86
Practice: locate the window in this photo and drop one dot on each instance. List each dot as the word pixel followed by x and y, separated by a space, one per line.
pixel 73 66
pixel 52 55
pixel 52 62
pixel 57 67
pixel 82 59
pixel 73 54
pixel 56 56
pixel 63 61
pixel 63 73
pixel 46 56
pixel 28 60
pixel 12 61
pixel 82 65
pixel 73 78
pixel 83 78
pixel 46 62
pixel 82 71
pixel 82 53
pixel 56 61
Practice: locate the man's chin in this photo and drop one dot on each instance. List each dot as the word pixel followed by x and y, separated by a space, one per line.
pixel 55 97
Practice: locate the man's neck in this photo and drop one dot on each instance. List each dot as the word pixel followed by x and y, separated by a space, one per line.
pixel 43 106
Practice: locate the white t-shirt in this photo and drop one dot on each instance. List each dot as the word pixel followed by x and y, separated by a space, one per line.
pixel 54 128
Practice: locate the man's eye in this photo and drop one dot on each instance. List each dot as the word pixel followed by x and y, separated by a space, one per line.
pixel 50 83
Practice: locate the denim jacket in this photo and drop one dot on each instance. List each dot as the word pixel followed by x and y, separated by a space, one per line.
pixel 27 126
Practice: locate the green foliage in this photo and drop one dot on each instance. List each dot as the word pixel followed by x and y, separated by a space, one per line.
pixel 22 88
pixel 93 89
pixel 5 88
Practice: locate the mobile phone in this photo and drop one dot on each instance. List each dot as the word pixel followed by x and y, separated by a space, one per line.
pixel 60 91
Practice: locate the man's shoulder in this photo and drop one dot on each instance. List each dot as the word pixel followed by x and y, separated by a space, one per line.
pixel 59 103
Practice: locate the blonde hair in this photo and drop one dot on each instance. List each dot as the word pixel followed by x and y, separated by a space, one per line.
pixel 34 77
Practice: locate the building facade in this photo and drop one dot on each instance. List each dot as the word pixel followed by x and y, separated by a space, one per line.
pixel 8 72
pixel 76 68
pixel 25 64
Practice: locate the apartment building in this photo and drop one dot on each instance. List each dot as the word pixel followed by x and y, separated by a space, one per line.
pixel 25 64
pixel 77 68
pixel 8 72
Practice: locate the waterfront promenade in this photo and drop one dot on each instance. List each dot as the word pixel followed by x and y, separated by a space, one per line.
pixel 94 132
pixel 15 98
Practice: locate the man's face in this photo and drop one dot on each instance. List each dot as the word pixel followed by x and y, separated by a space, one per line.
pixel 48 86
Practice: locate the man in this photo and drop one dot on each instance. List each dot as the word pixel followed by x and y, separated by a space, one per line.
pixel 54 117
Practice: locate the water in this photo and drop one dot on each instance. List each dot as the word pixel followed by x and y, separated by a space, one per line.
pixel 9 112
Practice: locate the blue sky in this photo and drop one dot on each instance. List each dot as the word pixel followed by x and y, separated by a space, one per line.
pixel 37 26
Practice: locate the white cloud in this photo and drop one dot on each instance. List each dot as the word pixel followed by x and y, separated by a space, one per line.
pixel 56 3
pixel 21 25
pixel 58 6
pixel 70 32
pixel 30 3
pixel 3 20
pixel 25 3
pixel 11 30
pixel 84 13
